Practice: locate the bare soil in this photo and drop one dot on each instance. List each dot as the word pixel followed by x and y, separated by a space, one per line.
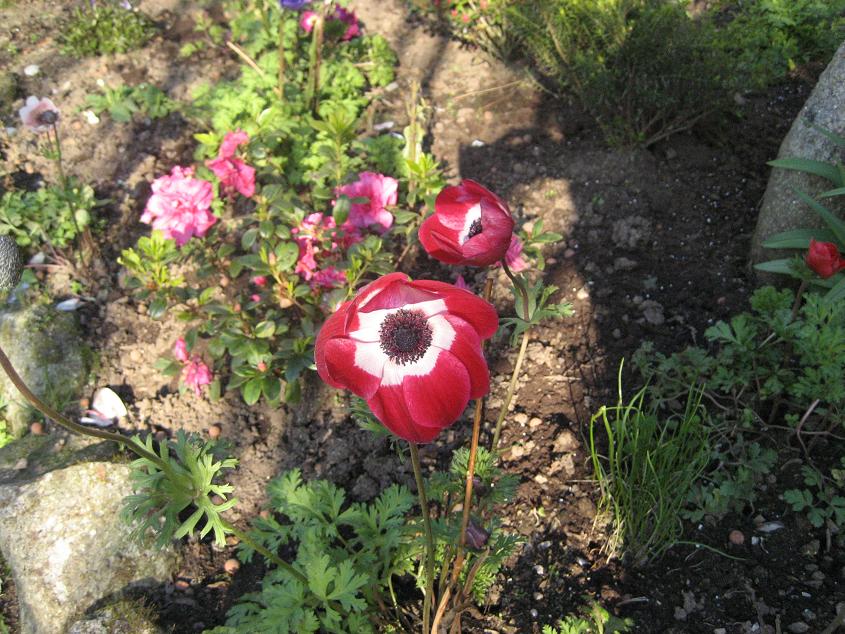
pixel 656 245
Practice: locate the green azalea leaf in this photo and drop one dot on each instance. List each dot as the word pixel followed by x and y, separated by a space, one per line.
pixel 251 391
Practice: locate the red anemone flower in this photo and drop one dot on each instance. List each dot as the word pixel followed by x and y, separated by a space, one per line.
pixel 824 259
pixel 412 350
pixel 470 225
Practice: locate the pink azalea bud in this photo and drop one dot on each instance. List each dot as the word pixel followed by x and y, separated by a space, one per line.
pixel 196 375
pixel 262 367
pixel 460 282
pixel 259 280
pixel 180 350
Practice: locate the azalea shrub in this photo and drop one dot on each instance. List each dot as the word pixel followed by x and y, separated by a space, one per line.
pixel 285 211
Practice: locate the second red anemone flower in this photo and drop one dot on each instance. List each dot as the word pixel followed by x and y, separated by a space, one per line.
pixel 470 225
pixel 412 350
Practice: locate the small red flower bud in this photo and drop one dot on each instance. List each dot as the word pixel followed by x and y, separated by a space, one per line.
pixel 824 259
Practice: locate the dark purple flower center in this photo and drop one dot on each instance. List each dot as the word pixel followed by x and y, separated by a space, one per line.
pixel 474 228
pixel 48 117
pixel 405 336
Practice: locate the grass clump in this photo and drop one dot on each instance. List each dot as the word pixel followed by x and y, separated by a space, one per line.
pixel 104 29
pixel 650 468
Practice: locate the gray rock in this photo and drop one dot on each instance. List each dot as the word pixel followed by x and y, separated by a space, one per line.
pixel 66 546
pixel 125 617
pixel 45 347
pixel 781 209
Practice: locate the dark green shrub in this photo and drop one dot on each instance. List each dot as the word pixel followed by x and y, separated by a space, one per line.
pixel 104 29
pixel 769 38
pixel 643 68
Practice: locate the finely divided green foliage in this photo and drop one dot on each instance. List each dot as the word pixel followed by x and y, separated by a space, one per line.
pixel 105 29
pixel 122 102
pixel 593 619
pixel 651 464
pixel 492 488
pixel 52 214
pixel 823 498
pixel 350 553
pixel 766 366
pixel 191 478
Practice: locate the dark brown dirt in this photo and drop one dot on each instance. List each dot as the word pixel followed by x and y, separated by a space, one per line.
pixel 655 248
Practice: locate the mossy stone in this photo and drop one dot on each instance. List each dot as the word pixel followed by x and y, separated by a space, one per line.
pixel 45 347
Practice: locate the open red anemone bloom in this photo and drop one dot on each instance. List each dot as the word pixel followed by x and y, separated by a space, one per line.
pixel 412 350
pixel 824 259
pixel 470 225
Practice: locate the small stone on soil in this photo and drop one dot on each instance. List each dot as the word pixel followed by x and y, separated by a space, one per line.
pixel 36 429
pixel 799 627
pixel 231 566
pixel 736 537
pixel 214 432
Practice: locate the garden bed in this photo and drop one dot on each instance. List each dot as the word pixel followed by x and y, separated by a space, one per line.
pixel 655 249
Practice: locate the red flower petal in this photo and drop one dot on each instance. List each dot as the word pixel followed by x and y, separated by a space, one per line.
pixel 389 406
pixel 342 368
pixel 467 349
pixel 480 314
pixel 439 398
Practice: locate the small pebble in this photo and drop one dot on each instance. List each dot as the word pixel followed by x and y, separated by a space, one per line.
pixel 36 429
pixel 21 464
pixel 539 570
pixel 231 566
pixel 214 432
pixel 534 614
pixel 181 584
pixel 84 403
pixel 31 70
pixel 799 627
pixel 161 436
pixel 737 538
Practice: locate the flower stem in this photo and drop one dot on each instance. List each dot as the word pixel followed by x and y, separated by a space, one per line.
pixel 511 389
pixel 519 358
pixel 473 451
pixel 313 94
pixel 282 56
pixel 62 178
pixel 429 538
pixel 798 294
pixel 68 424
pixel 270 556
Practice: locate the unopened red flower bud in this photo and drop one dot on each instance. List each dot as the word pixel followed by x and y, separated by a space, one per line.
pixel 824 259
pixel 262 367
pixel 476 536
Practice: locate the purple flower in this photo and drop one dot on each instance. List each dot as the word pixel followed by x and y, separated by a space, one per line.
pixel 294 5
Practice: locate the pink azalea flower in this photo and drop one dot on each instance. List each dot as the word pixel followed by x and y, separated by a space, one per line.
pixel 513 256
pixel 231 142
pixel 306 22
pixel 255 297
pixel 460 282
pixel 259 280
pixel 381 191
pixel 328 278
pixel 180 350
pixel 306 265
pixel 39 115
pixel 196 375
pixel 179 206
pixel 233 173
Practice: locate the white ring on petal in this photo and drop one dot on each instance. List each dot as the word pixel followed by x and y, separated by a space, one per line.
pixel 473 214
pixel 370 358
pixel 369 323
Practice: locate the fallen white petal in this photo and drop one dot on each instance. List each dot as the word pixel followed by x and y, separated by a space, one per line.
pixel 91 118
pixel 107 403
pixel 69 305
pixel 96 420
